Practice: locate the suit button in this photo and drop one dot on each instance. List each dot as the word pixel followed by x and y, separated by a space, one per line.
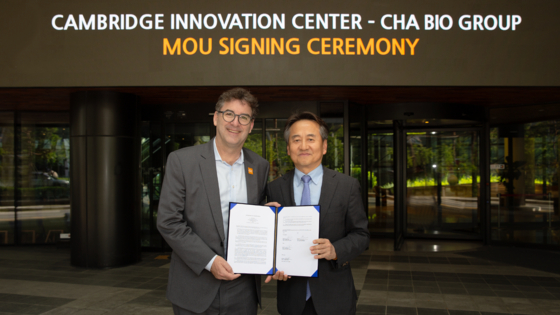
pixel 222 244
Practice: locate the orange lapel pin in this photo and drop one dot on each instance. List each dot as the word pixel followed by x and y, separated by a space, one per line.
pixel 250 170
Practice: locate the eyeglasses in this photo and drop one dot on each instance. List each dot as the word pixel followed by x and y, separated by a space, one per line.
pixel 229 116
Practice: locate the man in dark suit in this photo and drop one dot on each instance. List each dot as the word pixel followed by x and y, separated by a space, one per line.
pixel 199 183
pixel 343 229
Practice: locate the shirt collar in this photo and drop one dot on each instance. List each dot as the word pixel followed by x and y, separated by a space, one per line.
pixel 315 174
pixel 240 160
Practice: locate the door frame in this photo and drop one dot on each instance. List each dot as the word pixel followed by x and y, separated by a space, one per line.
pixel 466 116
pixel 403 183
pixel 400 130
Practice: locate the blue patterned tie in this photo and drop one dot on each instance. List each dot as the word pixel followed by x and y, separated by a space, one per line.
pixel 306 201
pixel 306 195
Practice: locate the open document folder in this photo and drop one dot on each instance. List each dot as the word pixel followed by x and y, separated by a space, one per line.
pixel 263 240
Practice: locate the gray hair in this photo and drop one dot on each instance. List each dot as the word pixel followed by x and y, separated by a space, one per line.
pixel 323 127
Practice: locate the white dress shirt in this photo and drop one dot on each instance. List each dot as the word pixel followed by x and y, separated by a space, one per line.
pixel 233 188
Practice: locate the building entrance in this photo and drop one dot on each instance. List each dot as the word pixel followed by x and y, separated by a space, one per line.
pixel 442 183
pixel 422 171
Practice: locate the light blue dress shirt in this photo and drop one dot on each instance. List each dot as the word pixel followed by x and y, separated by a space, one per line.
pixel 314 185
pixel 314 191
pixel 233 188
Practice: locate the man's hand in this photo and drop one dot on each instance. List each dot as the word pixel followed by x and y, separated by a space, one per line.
pixel 323 249
pixel 222 270
pixel 273 204
pixel 278 276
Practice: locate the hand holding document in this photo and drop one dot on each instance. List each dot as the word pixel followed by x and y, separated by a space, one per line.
pixel 263 240
pixel 222 270
pixel 323 249
pixel 279 275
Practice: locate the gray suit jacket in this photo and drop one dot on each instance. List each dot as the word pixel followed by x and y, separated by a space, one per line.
pixel 190 220
pixel 344 222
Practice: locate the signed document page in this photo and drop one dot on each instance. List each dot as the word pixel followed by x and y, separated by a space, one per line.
pixel 250 248
pixel 297 228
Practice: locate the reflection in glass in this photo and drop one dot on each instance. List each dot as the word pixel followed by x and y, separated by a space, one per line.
pixel 356 154
pixel 524 183
pixel 186 135
pixel 442 183
pixel 334 159
pixel 380 182
pixel 7 215
pixel 43 211
pixel 276 153
pixel 152 161
pixel 154 149
pixel 254 140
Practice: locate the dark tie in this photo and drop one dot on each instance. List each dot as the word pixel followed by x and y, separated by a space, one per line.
pixel 306 201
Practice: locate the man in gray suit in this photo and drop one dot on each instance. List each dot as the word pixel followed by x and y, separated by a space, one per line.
pixel 199 183
pixel 343 227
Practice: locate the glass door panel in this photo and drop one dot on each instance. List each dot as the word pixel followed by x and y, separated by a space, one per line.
pixel 152 172
pixel 186 135
pixel 524 180
pixel 380 182
pixel 334 159
pixel 155 149
pixel 276 153
pixel 443 183
pixel 43 211
pixel 7 179
pixel 254 140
